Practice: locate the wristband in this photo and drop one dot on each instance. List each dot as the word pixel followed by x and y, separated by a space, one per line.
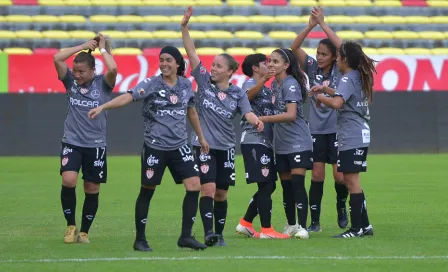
pixel 102 50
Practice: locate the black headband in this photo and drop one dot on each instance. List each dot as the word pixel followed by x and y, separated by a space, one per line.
pixel 173 51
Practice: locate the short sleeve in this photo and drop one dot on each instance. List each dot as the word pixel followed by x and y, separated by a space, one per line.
pixel 244 104
pixel 142 89
pixel 248 84
pixel 310 66
pixel 201 75
pixel 68 80
pixel 345 88
pixel 191 101
pixel 291 91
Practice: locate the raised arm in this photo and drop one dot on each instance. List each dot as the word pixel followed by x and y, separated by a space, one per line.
pixel 188 42
pixel 60 57
pixel 111 75
pixel 297 43
pixel 318 13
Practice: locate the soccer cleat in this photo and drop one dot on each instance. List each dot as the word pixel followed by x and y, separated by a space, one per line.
pixel 342 218
pixel 314 227
pixel 210 238
pixel 290 229
pixel 70 234
pixel 246 228
pixel 190 242
pixel 221 241
pixel 141 245
pixel 350 233
pixel 367 231
pixel 83 238
pixel 270 233
pixel 302 233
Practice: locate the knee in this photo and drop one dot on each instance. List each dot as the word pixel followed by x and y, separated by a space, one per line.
pixel 338 177
pixel 192 184
pixel 265 190
pixel 318 173
pixel 285 176
pixel 220 195
pixel 91 188
pixel 69 179
pixel 298 171
pixel 208 189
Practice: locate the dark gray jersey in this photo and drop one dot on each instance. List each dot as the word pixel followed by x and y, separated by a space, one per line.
pixel 79 130
pixel 216 109
pixel 322 120
pixel 290 137
pixel 261 106
pixel 353 117
pixel 164 111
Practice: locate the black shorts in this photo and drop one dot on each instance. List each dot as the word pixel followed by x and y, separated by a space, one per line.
pixel 217 166
pixel 353 160
pixel 287 162
pixel 325 148
pixel 259 163
pixel 180 162
pixel 93 161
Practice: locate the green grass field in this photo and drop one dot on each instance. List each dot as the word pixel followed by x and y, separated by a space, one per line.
pixel 406 199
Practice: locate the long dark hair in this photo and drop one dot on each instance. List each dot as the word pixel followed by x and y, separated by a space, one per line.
pixel 252 60
pixel 358 60
pixel 293 70
pixel 88 57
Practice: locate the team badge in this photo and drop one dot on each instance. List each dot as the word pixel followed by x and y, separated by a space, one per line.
pixel 222 95
pixel 265 171
pixel 141 92
pixel 64 161
pixel 232 105
pixel 83 90
pixel 173 98
pixel 205 168
pixel 149 173
pixel 202 70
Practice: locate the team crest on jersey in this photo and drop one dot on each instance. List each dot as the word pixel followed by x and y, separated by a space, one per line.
pixel 173 98
pixel 202 70
pixel 83 90
pixel 265 171
pixel 222 95
pixel 205 168
pixel 64 161
pixel 310 61
pixel 326 83
pixel 149 173
pixel 141 92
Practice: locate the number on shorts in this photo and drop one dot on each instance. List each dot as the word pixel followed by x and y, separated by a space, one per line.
pixel 231 154
pixel 98 152
pixel 185 150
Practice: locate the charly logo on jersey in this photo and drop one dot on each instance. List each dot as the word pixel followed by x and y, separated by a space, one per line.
pixel 232 105
pixel 265 159
pixel 174 98
pixel 141 91
pixel 152 160
pixel 95 93
pixel 222 95
pixel 149 173
pixel 66 150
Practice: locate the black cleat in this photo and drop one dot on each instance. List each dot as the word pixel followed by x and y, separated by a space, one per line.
pixel 350 233
pixel 190 242
pixel 141 245
pixel 342 218
pixel 210 238
pixel 367 231
pixel 221 241
pixel 314 227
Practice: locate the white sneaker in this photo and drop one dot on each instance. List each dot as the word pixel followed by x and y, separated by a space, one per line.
pixel 290 229
pixel 302 233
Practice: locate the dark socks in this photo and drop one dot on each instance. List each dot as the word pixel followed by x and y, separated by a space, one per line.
pixel 365 216
pixel 206 211
pixel 189 210
pixel 356 203
pixel 68 201
pixel 220 212
pixel 341 195
pixel 89 211
pixel 141 211
pixel 252 209
pixel 265 203
pixel 300 198
pixel 316 193
pixel 288 202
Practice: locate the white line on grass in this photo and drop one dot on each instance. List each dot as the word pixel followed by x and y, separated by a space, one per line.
pixel 225 258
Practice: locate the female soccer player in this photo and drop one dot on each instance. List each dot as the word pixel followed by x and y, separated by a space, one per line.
pixel 84 140
pixel 351 99
pixel 257 149
pixel 167 99
pixel 322 72
pixel 292 138
pixel 217 103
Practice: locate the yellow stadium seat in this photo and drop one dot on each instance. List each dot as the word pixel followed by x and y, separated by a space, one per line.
pixel 156 3
pixel 19 18
pixel 209 51
pixel 6 34
pixel 417 20
pixel 139 34
pixel 197 34
pixel 387 3
pixel 405 35
pixel 208 3
pixel 303 3
pixel 28 34
pixel 417 51
pixel 357 3
pixel 282 35
pixel 72 19
pixel 439 51
pixel 114 34
pixel 365 19
pixel 103 19
pixel 6 2
pixel 350 35
pixel 2 18
pixel 45 19
pixel 265 50
pixel 309 51
pixel 378 34
pixel 157 19
pixel 339 19
pixel 130 3
pixel 291 19
pixel 332 3
pixel 392 19
pixel 77 3
pixel 369 51
pixel 390 51
pixel 81 34
pixel 431 35
pixel 439 19
pixel 130 19
pixel 219 34
pixel 209 19
pixel 178 19
pixel 182 3
pixel 240 51
pixel 436 3
pixel 261 19
pixel 250 35
pixel 235 19
pixel 127 51
pixel 55 34
pixel 104 2
pixel 51 3
pixel 240 3
pixel 17 51
pixel 166 34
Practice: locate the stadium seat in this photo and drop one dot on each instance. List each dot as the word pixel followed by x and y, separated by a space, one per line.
pixel 303 3
pixel 235 18
pixel 6 3
pixel 139 34
pixel 72 19
pixel 439 51
pixel 417 51
pixel 6 34
pixel 357 3
pixel 265 50
pixel 77 3
pixel 387 3
pixel 209 19
pixel 405 35
pixel 366 19
pixel 2 18
pixel 17 51
pixel 28 34
pixel 18 18
pixel 435 3
pixel 104 2
pixel 332 3
pixel 182 51
pixel 291 19
pixel 414 3
pixel 182 3
pixel 240 2
pixel 55 34
pixel 81 34
pixel 378 34
pixel 417 20
pixel 130 19
pixel 209 51
pixel 156 19
pixel 274 2
pixel 350 35
pixel 115 34
pixel 156 3
pixel 178 19
pixel 103 19
pixel 431 35
pixel 439 19
pixel 166 34
pixel 45 19
pixel 210 3
pixel 339 19
pixel 130 3
pixel 282 35
pixel 370 51
pixel 51 3
pixel 390 51
pixel 218 34
pixel 250 35
pixel 261 19
pixel 127 51
pixel 240 51
pixel 197 34
pixel 392 19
